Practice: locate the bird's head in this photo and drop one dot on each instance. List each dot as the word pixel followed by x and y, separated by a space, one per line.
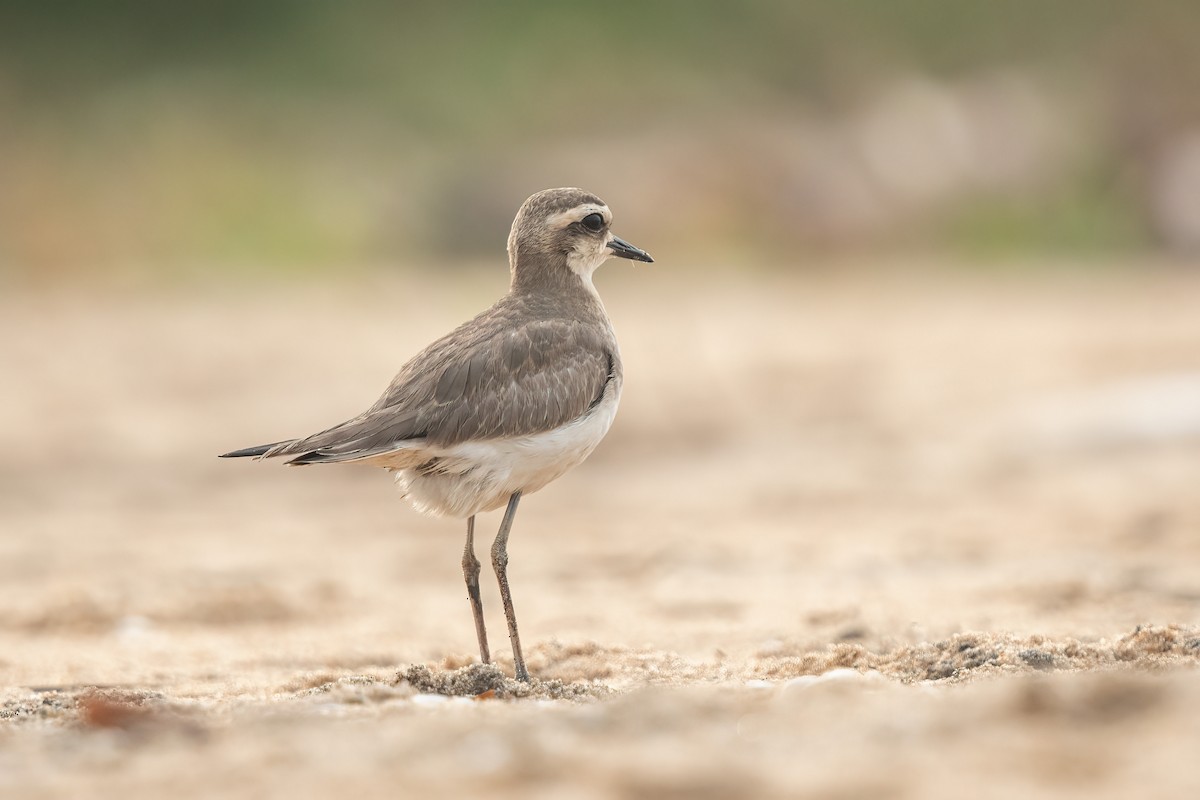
pixel 559 230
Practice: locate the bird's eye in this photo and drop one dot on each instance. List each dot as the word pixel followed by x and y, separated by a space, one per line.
pixel 593 222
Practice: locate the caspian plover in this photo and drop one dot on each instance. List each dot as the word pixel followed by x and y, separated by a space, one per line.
pixel 506 402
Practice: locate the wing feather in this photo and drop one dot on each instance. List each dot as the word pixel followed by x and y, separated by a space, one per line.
pixel 483 381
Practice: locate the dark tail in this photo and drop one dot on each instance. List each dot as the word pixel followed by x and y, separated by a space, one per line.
pixel 251 451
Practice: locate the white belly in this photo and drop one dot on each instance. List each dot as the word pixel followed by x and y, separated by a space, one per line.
pixel 480 476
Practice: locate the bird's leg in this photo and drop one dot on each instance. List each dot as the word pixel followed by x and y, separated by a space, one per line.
pixel 500 564
pixel 470 565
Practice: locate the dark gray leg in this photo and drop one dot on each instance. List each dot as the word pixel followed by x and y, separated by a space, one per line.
pixel 500 564
pixel 470 566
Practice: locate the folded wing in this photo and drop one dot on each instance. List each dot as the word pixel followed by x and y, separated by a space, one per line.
pixel 503 381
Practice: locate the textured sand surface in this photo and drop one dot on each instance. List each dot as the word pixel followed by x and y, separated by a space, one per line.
pixel 852 536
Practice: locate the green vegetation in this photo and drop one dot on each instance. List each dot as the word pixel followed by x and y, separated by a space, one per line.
pixel 229 132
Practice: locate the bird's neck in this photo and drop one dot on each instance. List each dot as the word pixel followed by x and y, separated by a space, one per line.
pixel 548 276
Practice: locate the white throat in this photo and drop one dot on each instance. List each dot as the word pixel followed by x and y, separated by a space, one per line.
pixel 584 264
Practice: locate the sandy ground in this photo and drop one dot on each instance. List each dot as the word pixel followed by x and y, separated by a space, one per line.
pixel 864 536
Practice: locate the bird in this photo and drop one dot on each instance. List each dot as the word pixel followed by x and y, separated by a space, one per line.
pixel 505 403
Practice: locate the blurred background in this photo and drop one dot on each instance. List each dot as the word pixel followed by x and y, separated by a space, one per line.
pixel 153 139
pixel 919 355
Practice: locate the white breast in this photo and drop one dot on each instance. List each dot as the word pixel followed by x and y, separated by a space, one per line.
pixel 480 476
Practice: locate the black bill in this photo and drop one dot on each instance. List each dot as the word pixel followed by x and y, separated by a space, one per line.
pixel 624 249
